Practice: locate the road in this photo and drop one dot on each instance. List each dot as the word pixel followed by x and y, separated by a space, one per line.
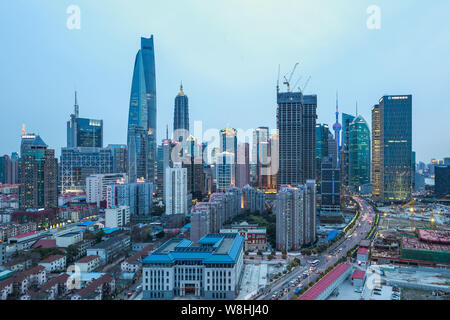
pixel 328 257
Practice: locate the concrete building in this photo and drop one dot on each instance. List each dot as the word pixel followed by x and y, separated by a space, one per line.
pixel 67 239
pixel 54 263
pixel 110 249
pixel 96 185
pixel 392 149
pixel 117 217
pixel 138 196
pixel 88 263
pixel 255 237
pixel 2 253
pixel 176 190
pixel 296 216
pixel 210 269
pixel 296 124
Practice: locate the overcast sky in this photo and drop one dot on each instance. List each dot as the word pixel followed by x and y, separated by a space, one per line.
pixel 227 55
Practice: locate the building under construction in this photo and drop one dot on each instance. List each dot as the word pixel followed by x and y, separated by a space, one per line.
pixel 426 247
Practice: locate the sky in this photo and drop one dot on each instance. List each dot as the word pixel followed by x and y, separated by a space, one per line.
pixel 226 53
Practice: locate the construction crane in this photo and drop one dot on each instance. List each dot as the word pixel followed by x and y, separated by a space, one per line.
pixel 411 210
pixel 305 85
pixel 287 81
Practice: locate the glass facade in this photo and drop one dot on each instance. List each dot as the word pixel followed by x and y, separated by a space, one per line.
pixel 142 114
pixel 359 153
pixel 392 149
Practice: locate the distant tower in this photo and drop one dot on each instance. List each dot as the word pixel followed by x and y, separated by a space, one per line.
pixel 337 129
pixel 76 107
pixel 24 131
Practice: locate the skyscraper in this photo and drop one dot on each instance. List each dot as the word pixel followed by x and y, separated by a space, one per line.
pixel 259 153
pixel 243 165
pixel 322 133
pixel 392 151
pixel 176 190
pixel 344 165
pixel 142 115
pixel 38 176
pixel 359 153
pixel 330 186
pixel 296 216
pixel 83 132
pixel 181 114
pixel 296 124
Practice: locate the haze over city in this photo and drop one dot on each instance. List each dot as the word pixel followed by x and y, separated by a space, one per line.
pixel 227 55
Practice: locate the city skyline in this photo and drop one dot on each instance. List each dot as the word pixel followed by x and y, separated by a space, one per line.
pixel 246 80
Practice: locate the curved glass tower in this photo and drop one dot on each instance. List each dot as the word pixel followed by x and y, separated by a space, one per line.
pixel 359 152
pixel 142 115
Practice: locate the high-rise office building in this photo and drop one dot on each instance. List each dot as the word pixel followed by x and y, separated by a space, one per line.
pixel 138 196
pixel 38 176
pixel 296 124
pixel 392 151
pixel 120 157
pixel 194 165
pixel 346 120
pixel 296 216
pixel 344 165
pixel 322 133
pixel 442 181
pixel 83 132
pixel 243 165
pixel 181 115
pixel 359 153
pixel 142 115
pixel 5 169
pixel 330 186
pixel 259 154
pixel 225 171
pixel 76 164
pixel 96 185
pixel 176 190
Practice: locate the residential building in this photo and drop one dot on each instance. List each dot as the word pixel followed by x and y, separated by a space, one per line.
pixel 137 196
pixel 54 263
pixel 88 263
pixel 133 263
pixel 69 238
pixel 110 249
pixel 176 190
pixel 255 238
pixel 117 217
pixel 296 216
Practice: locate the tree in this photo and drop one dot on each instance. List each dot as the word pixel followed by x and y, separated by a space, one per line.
pixel 72 252
pixel 259 253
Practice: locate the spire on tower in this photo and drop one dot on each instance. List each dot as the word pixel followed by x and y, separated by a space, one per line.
pixel 24 131
pixel 167 131
pixel 76 111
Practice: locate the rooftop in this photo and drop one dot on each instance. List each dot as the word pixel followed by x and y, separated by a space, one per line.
pixel 325 282
pixel 52 258
pixel 88 258
pixel 362 251
pixel 358 274
pixel 212 248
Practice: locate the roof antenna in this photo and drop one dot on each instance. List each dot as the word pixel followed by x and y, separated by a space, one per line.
pixel 76 106
pixel 357 108
pixel 167 131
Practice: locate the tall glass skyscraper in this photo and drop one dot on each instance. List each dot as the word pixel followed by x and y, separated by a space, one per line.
pixel 83 132
pixel 359 153
pixel 296 124
pixel 142 115
pixel 181 113
pixel 392 149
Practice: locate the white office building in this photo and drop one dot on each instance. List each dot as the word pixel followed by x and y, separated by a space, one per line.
pixel 117 217
pixel 96 185
pixel 175 186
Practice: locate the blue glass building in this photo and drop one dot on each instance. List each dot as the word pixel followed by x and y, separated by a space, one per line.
pixel 142 114
pixel 392 149
pixel 359 153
